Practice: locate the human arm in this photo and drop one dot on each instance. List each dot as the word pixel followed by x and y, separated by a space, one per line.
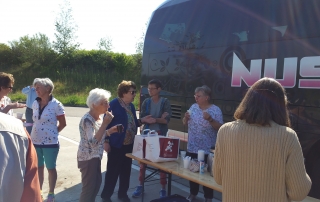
pixel 162 119
pixel 31 191
pixel 186 118
pixel 145 117
pixel 107 147
pixel 26 90
pixel 166 115
pixel 14 105
pixel 61 122
pixel 298 183
pixel 214 123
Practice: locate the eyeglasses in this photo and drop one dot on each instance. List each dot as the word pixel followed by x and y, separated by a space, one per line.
pixel 133 92
pixel 152 88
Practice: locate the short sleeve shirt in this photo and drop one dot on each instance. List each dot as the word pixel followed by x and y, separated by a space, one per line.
pixel 201 134
pixel 4 102
pixel 45 130
pixel 89 146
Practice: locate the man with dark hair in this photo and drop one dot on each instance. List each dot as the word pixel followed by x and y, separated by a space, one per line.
pixel 159 108
pixel 19 180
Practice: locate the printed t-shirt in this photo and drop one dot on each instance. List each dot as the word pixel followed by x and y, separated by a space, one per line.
pixel 201 134
pixel 89 146
pixel 45 129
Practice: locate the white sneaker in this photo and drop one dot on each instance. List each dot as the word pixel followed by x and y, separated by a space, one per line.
pixel 191 198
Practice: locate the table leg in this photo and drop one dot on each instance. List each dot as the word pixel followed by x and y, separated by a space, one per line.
pixel 144 178
pixel 169 184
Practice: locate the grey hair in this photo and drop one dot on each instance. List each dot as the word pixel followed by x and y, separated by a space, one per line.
pixel 205 90
pixel 45 82
pixel 96 96
pixel 35 81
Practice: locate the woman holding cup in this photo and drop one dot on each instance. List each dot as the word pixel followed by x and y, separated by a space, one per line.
pixel 93 133
pixel 204 120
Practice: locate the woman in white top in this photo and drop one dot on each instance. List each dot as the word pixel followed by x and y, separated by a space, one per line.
pixel 6 85
pixel 93 133
pixel 49 119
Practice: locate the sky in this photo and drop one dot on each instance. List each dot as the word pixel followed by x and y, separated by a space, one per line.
pixel 123 21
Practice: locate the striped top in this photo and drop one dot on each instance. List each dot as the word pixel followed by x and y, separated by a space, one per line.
pixel 259 163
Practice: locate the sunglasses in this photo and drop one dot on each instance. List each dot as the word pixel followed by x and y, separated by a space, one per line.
pixel 133 92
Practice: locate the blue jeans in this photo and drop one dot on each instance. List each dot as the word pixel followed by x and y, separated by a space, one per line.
pixel 29 113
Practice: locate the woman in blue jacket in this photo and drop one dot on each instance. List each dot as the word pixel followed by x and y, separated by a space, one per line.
pixel 119 166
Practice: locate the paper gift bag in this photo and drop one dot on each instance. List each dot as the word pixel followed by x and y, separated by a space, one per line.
pixel 139 146
pixel 161 149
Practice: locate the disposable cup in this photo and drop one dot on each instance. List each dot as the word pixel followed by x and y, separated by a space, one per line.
pixel 186 163
pixel 19 115
pixel 190 112
pixel 183 154
pixel 200 155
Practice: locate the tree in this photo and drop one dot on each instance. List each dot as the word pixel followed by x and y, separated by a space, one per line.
pixel 37 50
pixel 140 42
pixel 65 31
pixel 105 44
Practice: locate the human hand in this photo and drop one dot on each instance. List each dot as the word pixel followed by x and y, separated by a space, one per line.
pixel 16 105
pixel 187 115
pixel 112 130
pixel 106 147
pixel 148 119
pixel 164 115
pixel 108 117
pixel 206 116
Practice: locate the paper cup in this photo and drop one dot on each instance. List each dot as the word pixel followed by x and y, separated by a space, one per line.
pixel 190 112
pixel 186 163
pixel 200 155
pixel 183 154
pixel 19 115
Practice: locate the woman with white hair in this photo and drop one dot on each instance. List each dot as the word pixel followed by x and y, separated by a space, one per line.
pixel 49 119
pixel 93 134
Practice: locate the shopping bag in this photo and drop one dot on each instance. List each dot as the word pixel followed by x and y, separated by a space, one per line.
pixel 161 149
pixel 139 146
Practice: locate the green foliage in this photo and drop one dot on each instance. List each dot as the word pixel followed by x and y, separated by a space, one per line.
pixel 105 44
pixel 74 73
pixel 17 97
pixel 6 56
pixel 36 50
pixel 66 29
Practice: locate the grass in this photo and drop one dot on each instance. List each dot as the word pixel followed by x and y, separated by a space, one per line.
pixel 72 87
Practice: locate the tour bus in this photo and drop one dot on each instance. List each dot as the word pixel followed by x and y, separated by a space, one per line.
pixel 228 45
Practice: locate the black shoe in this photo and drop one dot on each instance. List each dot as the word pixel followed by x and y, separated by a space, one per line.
pixel 124 198
pixel 106 200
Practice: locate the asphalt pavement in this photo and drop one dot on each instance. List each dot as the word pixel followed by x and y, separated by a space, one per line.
pixel 68 186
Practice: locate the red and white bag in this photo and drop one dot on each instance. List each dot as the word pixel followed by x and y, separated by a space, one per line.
pixel 139 145
pixel 161 149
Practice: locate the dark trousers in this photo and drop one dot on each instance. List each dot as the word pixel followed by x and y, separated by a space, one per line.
pixel 29 114
pixel 194 187
pixel 118 166
pixel 90 179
